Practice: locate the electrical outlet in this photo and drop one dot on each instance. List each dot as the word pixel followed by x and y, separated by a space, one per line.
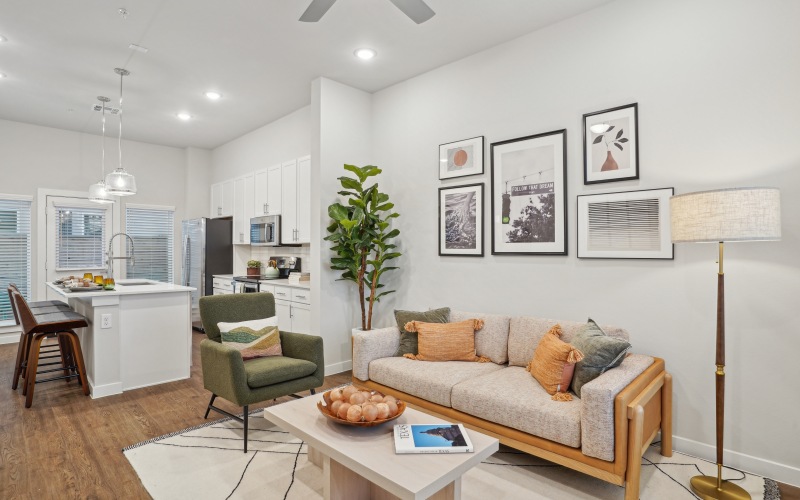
pixel 105 321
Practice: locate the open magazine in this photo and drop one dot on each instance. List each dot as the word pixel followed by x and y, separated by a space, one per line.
pixel 437 438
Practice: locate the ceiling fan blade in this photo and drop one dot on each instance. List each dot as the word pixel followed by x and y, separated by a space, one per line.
pixel 417 10
pixel 316 10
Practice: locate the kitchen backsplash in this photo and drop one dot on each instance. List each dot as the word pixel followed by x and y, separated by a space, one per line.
pixel 264 253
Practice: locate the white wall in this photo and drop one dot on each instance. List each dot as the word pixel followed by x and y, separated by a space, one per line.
pixel 716 83
pixel 33 157
pixel 341 133
pixel 197 181
pixel 282 140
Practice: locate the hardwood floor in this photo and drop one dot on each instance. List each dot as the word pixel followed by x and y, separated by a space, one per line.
pixel 69 445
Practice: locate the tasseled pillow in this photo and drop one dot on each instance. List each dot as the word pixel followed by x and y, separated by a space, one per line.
pixel 553 364
pixel 446 341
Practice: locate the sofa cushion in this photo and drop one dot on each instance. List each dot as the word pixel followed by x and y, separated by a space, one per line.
pixel 262 372
pixel 491 340
pixel 513 398
pixel 408 340
pixel 525 333
pixel 445 341
pixel 428 380
pixel 553 364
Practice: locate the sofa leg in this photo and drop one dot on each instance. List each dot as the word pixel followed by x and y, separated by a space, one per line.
pixel 666 416
pixel 634 472
pixel 244 421
pixel 210 404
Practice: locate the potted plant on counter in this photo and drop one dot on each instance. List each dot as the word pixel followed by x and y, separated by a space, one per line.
pixel 253 267
pixel 361 237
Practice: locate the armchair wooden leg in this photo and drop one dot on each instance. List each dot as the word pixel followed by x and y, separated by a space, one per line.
pixel 210 404
pixel 244 421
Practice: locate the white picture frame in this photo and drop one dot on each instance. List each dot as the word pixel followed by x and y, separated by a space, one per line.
pixel 461 158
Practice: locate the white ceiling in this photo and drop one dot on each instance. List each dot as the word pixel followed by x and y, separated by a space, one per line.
pixel 60 56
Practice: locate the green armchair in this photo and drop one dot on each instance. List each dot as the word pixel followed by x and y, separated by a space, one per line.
pixel 225 374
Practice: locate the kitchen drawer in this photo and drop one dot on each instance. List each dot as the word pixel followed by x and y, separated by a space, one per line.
pixel 282 292
pixel 223 284
pixel 222 291
pixel 301 295
pixel 266 288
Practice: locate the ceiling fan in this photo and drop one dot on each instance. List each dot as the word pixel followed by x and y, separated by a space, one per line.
pixel 417 10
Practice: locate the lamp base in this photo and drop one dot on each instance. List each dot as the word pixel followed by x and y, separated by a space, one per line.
pixel 706 488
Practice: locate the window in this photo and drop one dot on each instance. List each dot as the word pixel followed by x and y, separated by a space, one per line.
pixel 15 251
pixel 152 231
pixel 80 238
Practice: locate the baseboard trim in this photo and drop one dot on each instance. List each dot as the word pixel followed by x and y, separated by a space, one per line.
pixel 11 337
pixel 338 367
pixel 748 463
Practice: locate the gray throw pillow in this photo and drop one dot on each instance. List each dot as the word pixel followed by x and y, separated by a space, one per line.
pixel 600 353
pixel 409 340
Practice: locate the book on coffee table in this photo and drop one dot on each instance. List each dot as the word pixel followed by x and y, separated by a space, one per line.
pixel 436 438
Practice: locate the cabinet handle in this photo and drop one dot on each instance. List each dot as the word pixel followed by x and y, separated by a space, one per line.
pixel 219 210
pixel 241 237
pixel 266 211
pixel 300 296
pixel 290 311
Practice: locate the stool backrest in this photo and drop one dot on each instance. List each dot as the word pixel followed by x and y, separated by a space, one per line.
pixel 26 318
pixel 13 288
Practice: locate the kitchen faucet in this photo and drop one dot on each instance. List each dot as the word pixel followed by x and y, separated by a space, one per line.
pixel 110 254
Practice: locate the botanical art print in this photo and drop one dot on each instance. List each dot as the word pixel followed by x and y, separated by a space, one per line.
pixel 611 145
pixel 461 220
pixel 529 212
pixel 461 158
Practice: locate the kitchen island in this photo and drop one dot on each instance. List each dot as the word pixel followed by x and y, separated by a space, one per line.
pixel 139 334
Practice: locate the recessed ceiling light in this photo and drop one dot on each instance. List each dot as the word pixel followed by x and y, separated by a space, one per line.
pixel 365 54
pixel 2 75
pixel 3 39
pixel 212 95
pixel 184 116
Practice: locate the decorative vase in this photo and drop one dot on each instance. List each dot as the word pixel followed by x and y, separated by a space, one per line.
pixel 253 271
pixel 610 163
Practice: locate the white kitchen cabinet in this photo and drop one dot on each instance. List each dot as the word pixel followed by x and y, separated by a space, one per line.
pixel 222 199
pixel 293 308
pixel 301 317
pixel 243 200
pixel 283 312
pixel 296 201
pixel 274 202
pixel 222 286
pixel 261 193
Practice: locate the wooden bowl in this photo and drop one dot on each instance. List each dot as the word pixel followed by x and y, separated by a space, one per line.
pixel 322 406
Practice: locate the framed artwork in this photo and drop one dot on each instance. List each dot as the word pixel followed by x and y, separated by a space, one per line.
pixel 461 220
pixel 461 158
pixel 625 225
pixel 529 195
pixel 611 145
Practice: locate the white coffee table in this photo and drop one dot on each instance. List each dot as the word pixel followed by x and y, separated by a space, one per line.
pixel 360 462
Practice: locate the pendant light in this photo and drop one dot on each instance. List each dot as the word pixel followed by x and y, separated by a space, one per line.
pixel 97 191
pixel 119 182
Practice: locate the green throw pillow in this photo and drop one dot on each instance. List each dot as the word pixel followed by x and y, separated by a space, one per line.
pixel 600 353
pixel 257 338
pixel 408 340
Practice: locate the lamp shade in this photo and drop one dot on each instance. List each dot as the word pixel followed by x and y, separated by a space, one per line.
pixel 98 193
pixel 738 214
pixel 120 183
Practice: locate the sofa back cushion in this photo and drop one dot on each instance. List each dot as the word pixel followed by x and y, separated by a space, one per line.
pixel 491 340
pixel 525 333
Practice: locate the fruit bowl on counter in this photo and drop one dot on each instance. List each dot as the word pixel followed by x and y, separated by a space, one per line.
pixel 359 407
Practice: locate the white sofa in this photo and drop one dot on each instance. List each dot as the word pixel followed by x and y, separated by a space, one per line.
pixel 603 433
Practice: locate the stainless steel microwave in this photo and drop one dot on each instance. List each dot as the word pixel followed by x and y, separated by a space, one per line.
pixel 265 231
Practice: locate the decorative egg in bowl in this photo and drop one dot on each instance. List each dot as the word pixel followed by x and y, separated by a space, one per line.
pixel 359 407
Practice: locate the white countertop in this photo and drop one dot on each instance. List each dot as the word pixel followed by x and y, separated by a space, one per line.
pixel 223 276
pixel 122 289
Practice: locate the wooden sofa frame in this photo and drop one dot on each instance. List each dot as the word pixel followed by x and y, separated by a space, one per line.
pixel 640 410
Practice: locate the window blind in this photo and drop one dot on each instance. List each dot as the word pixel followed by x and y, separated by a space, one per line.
pixel 80 238
pixel 152 231
pixel 15 252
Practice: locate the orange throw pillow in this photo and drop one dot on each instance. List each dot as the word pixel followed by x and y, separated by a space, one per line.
pixel 446 341
pixel 553 364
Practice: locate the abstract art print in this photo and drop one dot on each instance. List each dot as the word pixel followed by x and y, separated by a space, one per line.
pixel 529 195
pixel 626 225
pixel 461 158
pixel 611 145
pixel 461 220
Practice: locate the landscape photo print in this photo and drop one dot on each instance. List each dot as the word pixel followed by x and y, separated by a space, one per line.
pixel 529 211
pixel 461 220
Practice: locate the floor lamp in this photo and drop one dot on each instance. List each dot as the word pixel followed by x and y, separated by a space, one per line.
pixel 740 214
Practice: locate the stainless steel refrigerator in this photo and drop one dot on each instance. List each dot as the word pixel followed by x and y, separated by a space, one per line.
pixel 207 250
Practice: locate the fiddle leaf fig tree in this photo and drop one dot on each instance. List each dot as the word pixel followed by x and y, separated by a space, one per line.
pixel 362 237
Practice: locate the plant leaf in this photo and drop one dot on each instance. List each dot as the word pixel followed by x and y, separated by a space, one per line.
pixel 352 168
pixel 597 139
pixel 349 183
pixel 617 145
pixel 619 134
pixel 623 140
pixel 337 211
pixel 610 128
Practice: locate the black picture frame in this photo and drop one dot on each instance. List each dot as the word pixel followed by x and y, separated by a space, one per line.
pixel 600 164
pixel 461 220
pixel 469 151
pixel 530 166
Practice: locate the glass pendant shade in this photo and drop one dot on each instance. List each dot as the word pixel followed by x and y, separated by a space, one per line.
pixel 120 183
pixel 99 194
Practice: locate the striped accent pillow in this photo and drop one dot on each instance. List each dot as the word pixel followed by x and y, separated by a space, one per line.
pixel 257 338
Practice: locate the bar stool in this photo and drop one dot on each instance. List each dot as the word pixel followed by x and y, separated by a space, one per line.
pixel 37 328
pixel 38 307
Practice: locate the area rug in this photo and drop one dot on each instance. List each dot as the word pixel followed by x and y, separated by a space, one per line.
pixel 206 462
